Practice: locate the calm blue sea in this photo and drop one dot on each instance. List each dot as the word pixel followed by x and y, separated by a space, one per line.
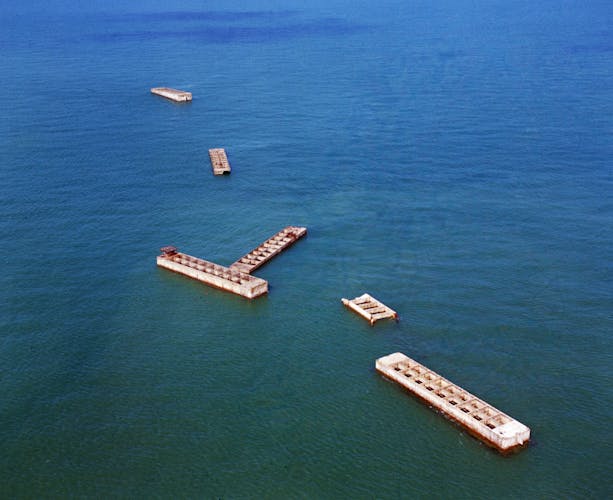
pixel 452 158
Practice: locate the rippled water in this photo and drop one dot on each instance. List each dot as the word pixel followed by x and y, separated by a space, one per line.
pixel 453 160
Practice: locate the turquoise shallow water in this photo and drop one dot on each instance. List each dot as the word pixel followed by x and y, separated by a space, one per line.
pixel 453 160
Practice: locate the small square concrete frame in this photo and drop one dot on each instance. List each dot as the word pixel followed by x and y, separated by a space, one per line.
pixel 370 308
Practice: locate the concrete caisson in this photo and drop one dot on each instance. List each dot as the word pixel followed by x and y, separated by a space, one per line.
pixel 172 94
pixel 480 419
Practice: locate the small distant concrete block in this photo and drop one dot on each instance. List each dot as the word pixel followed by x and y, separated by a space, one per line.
pixel 172 94
pixel 370 308
pixel 219 161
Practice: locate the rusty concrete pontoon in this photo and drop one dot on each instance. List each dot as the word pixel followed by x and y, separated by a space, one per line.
pixel 172 94
pixel 236 278
pixel 482 420
pixel 370 308
pixel 219 161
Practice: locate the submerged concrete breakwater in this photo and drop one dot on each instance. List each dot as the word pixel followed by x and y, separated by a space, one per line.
pixel 476 416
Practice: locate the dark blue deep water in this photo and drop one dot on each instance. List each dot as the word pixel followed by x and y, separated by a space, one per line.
pixel 452 158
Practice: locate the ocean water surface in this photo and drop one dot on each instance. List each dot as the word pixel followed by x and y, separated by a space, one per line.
pixel 453 159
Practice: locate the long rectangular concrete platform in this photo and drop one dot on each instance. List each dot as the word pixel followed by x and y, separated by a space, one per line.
pixel 267 250
pixel 172 94
pixel 482 420
pixel 231 280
